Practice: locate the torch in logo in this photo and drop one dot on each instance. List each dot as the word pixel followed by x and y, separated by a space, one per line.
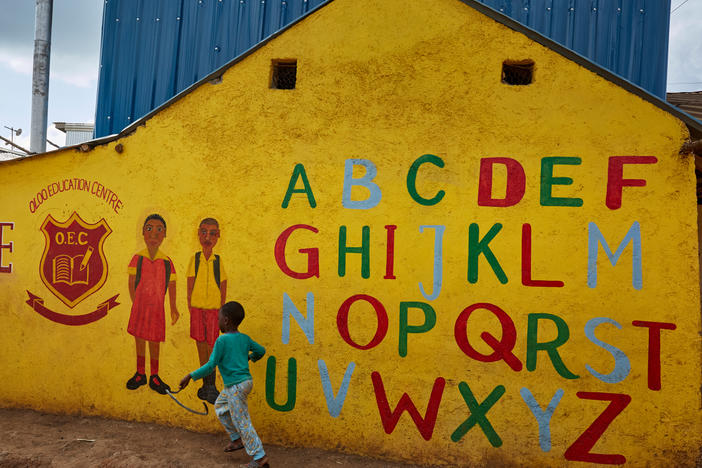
pixel 73 265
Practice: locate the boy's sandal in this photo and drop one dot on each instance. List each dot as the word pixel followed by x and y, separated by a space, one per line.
pixel 234 445
pixel 260 463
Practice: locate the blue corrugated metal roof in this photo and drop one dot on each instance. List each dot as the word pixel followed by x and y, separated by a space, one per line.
pixel 627 37
pixel 154 49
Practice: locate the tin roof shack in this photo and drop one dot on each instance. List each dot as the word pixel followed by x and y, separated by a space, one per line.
pixel 458 242
pixel 690 102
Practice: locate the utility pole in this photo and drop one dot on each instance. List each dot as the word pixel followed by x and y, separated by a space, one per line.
pixel 40 76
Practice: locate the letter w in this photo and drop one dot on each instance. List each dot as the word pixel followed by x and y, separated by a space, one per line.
pixel 390 418
pixel 595 236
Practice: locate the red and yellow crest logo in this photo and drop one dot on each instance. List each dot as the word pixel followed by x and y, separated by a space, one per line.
pixel 73 265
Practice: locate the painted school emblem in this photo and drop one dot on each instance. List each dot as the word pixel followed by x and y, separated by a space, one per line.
pixel 73 265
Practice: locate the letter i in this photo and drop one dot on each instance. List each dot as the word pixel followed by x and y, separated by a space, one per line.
pixel 390 258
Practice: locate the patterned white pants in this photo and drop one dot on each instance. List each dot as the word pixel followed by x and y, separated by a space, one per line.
pixel 233 412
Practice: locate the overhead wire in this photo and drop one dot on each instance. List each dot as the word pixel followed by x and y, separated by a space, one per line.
pixel 674 9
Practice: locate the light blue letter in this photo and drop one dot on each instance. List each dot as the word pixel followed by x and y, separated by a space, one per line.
pixel 365 181
pixel 307 324
pixel 622 366
pixel 543 418
pixel 334 404
pixel 595 236
pixel 438 263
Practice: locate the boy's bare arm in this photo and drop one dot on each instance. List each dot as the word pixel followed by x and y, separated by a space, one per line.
pixel 132 288
pixel 185 381
pixel 172 296
pixel 223 292
pixel 190 286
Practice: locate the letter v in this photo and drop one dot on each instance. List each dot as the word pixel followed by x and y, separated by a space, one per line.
pixel 334 404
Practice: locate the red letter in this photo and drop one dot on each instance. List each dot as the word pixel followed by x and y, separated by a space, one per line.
pixel 654 350
pixel 516 182
pixel 390 257
pixel 616 180
pixel 503 348
pixel 580 450
pixel 526 263
pixel 390 418
pixel 8 267
pixel 312 254
pixel 342 320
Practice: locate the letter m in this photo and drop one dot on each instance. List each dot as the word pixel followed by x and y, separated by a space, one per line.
pixel 595 238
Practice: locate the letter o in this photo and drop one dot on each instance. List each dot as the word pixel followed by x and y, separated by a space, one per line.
pixel 342 320
pixel 60 238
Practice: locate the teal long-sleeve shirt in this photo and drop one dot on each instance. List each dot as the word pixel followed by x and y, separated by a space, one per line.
pixel 231 355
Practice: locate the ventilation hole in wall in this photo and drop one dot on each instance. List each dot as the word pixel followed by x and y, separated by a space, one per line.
pixel 284 74
pixel 517 72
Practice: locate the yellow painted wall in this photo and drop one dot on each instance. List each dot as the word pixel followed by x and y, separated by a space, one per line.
pixel 387 82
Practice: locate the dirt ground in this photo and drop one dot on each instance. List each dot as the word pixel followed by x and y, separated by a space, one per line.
pixel 32 439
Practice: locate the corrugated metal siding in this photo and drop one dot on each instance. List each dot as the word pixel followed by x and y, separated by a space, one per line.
pixel 627 37
pixel 153 49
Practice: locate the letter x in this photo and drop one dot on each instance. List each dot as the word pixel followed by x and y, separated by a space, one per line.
pixel 477 414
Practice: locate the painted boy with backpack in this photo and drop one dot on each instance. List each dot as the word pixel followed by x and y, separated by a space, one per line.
pixel 207 292
pixel 151 275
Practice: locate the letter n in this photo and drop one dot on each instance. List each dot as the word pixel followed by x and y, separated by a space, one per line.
pixel 307 324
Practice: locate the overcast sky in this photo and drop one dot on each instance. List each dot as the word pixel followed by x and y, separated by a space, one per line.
pixel 75 51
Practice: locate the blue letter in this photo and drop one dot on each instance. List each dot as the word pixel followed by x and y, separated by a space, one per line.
pixel 595 236
pixel 438 238
pixel 543 418
pixel 622 366
pixel 307 324
pixel 365 181
pixel 334 404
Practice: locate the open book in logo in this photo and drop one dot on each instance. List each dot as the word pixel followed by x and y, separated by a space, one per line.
pixel 73 265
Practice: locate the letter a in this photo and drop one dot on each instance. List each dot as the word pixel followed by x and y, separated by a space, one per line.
pixel 299 172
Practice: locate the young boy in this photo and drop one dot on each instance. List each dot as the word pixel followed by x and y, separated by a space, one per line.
pixel 151 274
pixel 207 291
pixel 232 352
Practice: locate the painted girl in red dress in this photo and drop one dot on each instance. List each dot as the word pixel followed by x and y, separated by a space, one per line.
pixel 151 274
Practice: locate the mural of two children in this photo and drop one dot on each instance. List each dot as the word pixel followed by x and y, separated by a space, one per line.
pixel 151 275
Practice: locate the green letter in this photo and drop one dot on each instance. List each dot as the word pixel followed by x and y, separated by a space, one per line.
pixel 533 344
pixel 364 250
pixel 548 181
pixel 405 329
pixel 476 247
pixel 270 385
pixel 412 180
pixel 299 171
